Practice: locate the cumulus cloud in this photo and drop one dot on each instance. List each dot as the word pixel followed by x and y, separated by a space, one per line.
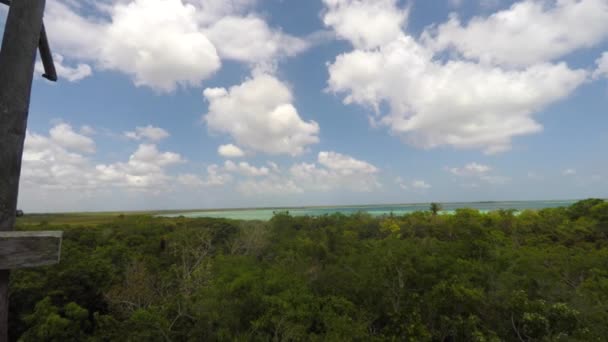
pixel 535 176
pixel 602 66
pixel 164 44
pixel 366 24
pixel 87 130
pixel 215 177
pixel 569 172
pixel 190 180
pixel 149 132
pixel 157 42
pixel 213 10
pixel 269 186
pixel 455 102
pixel 478 171
pixel 470 169
pixel 72 74
pixel 64 136
pixel 336 171
pixel 230 151
pixel 420 184
pixel 246 169
pixel 47 164
pixel 145 168
pixel 402 184
pixel 529 32
pixel 249 39
pixel 259 115
pixel 332 171
pixel 345 164
pixel 57 161
pixel 414 184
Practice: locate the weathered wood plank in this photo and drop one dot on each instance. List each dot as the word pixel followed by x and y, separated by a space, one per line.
pixel 17 56
pixel 29 249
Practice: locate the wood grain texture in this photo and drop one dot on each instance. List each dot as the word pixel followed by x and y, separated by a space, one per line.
pixel 17 56
pixel 29 249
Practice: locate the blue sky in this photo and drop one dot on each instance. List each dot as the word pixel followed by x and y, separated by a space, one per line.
pixel 166 104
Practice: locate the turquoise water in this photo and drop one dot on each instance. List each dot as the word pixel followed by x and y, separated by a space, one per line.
pixel 376 210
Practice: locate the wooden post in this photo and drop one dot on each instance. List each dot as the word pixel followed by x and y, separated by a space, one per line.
pixel 17 57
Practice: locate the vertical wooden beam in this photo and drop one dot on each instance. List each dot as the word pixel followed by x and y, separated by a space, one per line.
pixel 17 57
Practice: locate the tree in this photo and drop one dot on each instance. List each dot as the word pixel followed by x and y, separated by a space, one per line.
pixel 435 208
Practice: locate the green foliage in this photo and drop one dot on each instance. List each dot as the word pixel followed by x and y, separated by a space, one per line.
pixel 501 276
pixel 435 208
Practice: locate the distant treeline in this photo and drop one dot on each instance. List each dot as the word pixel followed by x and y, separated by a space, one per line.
pixel 536 276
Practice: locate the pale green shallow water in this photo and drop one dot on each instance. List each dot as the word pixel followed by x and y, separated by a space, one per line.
pixel 376 210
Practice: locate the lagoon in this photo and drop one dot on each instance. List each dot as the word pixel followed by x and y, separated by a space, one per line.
pixel 375 210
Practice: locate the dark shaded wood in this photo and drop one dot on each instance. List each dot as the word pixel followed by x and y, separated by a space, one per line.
pixel 45 52
pixel 17 57
pixel 4 278
pixel 29 249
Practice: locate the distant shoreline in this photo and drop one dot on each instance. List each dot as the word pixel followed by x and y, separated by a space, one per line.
pixel 378 205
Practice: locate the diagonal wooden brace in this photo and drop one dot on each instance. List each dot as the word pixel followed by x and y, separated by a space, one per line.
pixel 45 52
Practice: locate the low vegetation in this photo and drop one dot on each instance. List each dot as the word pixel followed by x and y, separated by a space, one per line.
pixel 501 276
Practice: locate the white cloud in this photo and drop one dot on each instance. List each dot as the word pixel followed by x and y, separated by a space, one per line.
pixel 87 130
pixel 149 132
pixel 527 33
pixel 215 177
pixel 494 179
pixel 49 165
pixel 470 169
pixel 64 135
pixel 602 66
pixel 420 184
pixel 246 169
pixel 165 44
pixel 402 184
pixel 249 39
pixel 458 103
pixel 535 176
pixel 72 74
pixel 268 186
pixel 55 162
pixel 230 151
pixel 145 169
pixel 51 170
pixel 344 164
pixel 274 167
pixel 259 115
pixel 213 10
pixel 149 154
pixel 190 180
pixel 480 172
pixel 569 172
pixel 159 43
pixel 333 171
pixel 365 23
pixel 336 171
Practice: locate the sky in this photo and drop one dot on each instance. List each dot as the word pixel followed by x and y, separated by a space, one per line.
pixel 184 104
